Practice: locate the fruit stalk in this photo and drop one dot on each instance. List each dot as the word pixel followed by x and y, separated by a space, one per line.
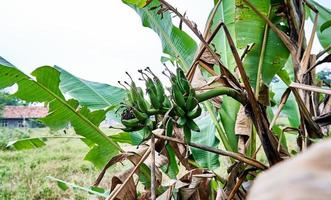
pixel 221 91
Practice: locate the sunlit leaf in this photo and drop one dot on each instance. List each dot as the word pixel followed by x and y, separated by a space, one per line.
pixel 28 143
pixel 45 88
pixel 91 94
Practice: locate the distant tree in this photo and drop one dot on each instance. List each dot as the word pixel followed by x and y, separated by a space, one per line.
pixel 8 100
pixel 325 76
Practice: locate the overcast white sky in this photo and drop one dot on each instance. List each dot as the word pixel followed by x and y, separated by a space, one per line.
pixel 96 40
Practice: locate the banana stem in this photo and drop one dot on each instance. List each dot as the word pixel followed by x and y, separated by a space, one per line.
pixel 221 91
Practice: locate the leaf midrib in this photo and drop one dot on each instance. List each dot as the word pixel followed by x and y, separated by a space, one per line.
pixel 62 101
pixel 168 40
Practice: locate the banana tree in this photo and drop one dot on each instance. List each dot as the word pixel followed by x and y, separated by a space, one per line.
pixel 252 65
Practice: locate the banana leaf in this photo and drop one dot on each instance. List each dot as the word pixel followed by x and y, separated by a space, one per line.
pixel 44 87
pixel 175 42
pixel 324 36
pixel 91 94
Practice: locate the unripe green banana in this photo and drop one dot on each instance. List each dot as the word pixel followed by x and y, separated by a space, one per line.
pixel 127 129
pixel 187 134
pixel 192 125
pixel 130 100
pixel 196 112
pixel 169 127
pixel 139 115
pixel 181 121
pixel 178 97
pixel 153 97
pixel 180 112
pixel 160 92
pixel 180 74
pixel 166 103
pixel 191 102
pixel 130 123
pixel 142 105
pixel 185 85
pixel 151 90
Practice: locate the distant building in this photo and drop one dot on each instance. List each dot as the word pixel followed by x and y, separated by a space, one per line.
pixel 22 116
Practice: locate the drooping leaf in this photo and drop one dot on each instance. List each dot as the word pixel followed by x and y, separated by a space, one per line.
pixel 133 138
pixel 172 168
pixel 207 137
pixel 175 42
pixel 64 185
pixel 45 88
pixel 28 143
pixel 91 94
pixel 100 155
pixel 324 15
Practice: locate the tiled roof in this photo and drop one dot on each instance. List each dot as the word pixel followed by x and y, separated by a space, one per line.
pixel 24 112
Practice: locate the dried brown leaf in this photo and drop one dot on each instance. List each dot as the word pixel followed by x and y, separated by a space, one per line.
pixel 129 191
pixel 243 123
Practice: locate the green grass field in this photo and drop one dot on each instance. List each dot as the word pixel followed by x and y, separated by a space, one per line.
pixel 23 173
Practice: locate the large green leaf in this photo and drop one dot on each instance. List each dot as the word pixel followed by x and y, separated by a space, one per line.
pixel 45 88
pixel 246 27
pixel 91 94
pixel 172 169
pixel 175 42
pixel 207 137
pixel 100 155
pixel 226 12
pixel 324 16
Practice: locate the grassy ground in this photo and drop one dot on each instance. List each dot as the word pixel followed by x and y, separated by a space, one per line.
pixel 23 173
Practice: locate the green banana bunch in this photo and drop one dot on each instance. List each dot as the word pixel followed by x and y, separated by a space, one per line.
pixel 137 110
pixel 155 90
pixel 135 114
pixel 186 105
pixel 181 108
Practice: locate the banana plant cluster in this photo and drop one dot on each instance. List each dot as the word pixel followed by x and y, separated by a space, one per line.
pixel 154 108
pixel 138 111
pixel 181 107
pixel 185 103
